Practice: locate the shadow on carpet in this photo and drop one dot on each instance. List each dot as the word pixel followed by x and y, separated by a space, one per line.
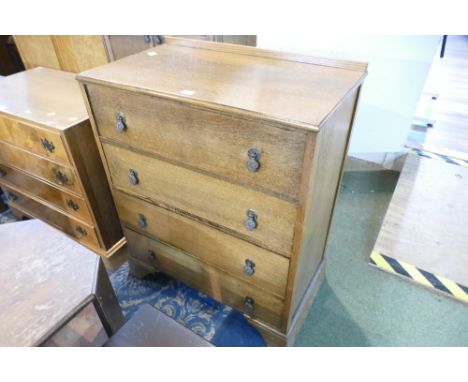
pixel 216 322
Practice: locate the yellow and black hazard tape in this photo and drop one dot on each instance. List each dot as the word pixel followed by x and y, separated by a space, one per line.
pixel 439 157
pixel 420 276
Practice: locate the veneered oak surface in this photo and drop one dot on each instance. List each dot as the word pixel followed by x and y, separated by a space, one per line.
pixel 38 166
pixel 78 53
pixel 54 217
pixel 126 45
pixel 218 202
pixel 37 51
pixel 32 138
pixel 191 271
pixel 71 204
pixel 323 188
pixel 44 96
pixel 288 91
pixel 71 53
pixel 208 244
pixel 210 141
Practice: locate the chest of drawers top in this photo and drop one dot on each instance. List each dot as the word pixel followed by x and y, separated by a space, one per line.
pixel 45 97
pixel 290 88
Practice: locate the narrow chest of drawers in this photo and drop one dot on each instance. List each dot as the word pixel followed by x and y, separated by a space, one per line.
pixel 225 163
pixel 50 167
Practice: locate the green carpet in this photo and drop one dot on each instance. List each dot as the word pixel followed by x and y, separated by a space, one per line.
pixel 358 305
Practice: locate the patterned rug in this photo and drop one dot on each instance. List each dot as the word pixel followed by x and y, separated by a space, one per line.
pixel 215 322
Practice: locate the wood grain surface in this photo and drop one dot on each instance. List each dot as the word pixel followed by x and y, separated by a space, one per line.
pixel 205 278
pixel 212 142
pixel 40 167
pixel 241 80
pixel 45 276
pixel 71 204
pixel 77 53
pixel 208 244
pixel 45 97
pixel 125 45
pixel 79 230
pixel 425 224
pixel 34 139
pixel 37 51
pixel 219 203
pixel 320 199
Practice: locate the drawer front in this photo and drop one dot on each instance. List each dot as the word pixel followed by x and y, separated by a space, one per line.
pixel 40 141
pixel 41 167
pixel 225 205
pixel 237 257
pixel 213 142
pixel 80 231
pixel 73 205
pixel 219 285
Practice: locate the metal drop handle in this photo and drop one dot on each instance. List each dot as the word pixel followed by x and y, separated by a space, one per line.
pixel 81 231
pixel 120 124
pixel 142 223
pixel 71 204
pixel 253 163
pixel 47 145
pixel 251 222
pixel 249 304
pixel 249 268
pixel 133 177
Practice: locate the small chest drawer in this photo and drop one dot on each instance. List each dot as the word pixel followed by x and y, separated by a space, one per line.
pixel 40 141
pixel 38 166
pixel 223 287
pixel 253 215
pixel 73 205
pixel 81 231
pixel 246 261
pixel 244 151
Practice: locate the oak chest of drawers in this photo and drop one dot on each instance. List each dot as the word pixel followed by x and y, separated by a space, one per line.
pixel 50 166
pixel 225 164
